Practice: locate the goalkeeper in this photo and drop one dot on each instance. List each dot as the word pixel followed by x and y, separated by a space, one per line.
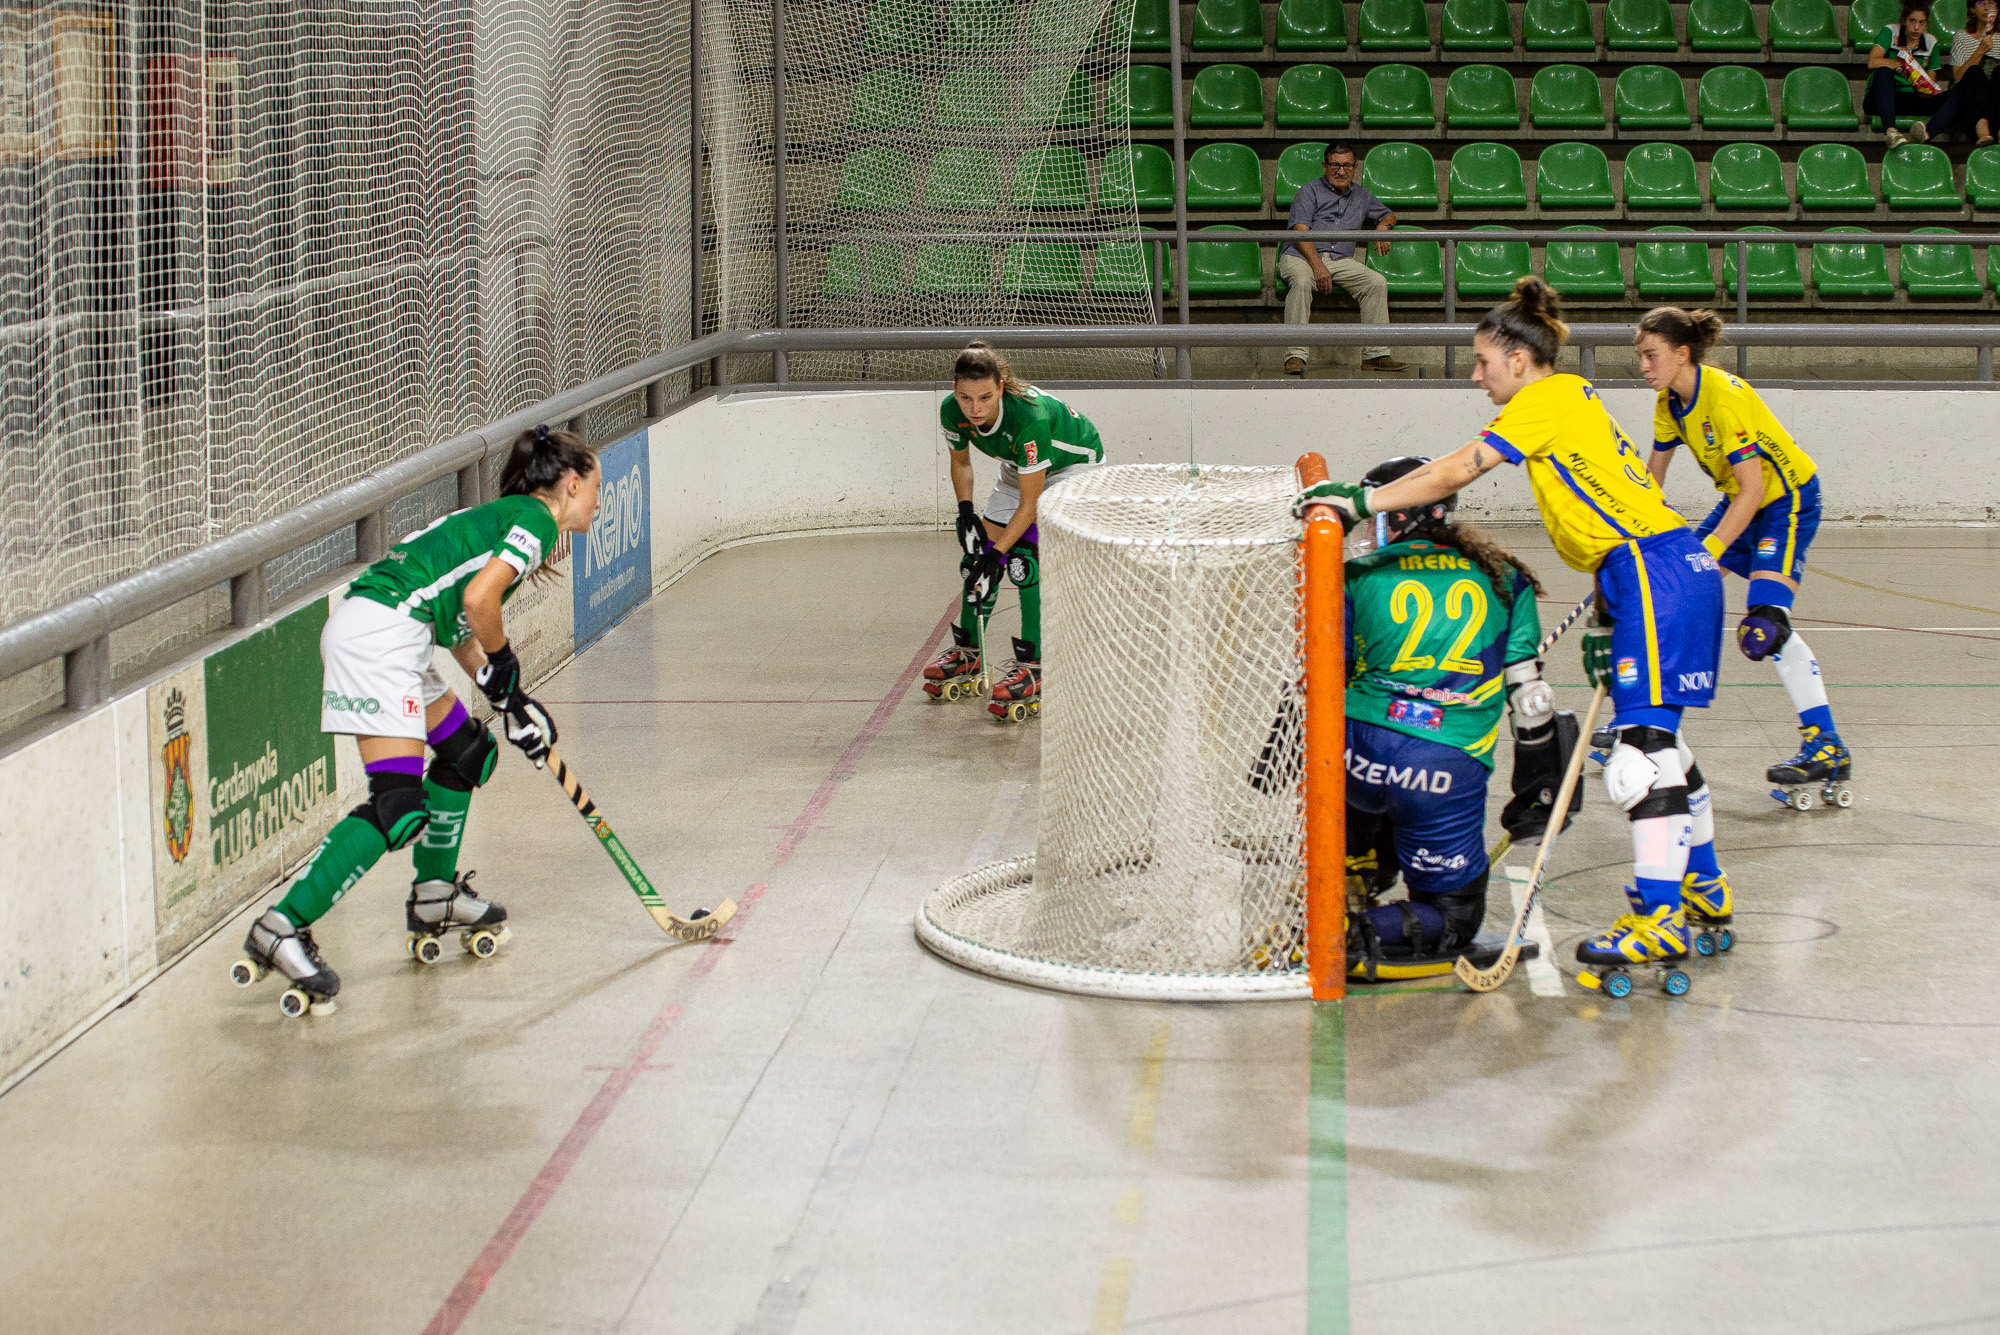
pixel 1038 440
pixel 1442 631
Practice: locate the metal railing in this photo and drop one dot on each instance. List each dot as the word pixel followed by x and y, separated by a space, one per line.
pixel 79 632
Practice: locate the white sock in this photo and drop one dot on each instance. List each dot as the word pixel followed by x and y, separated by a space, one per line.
pixel 1799 670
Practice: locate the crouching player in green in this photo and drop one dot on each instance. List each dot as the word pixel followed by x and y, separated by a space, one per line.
pixel 1442 632
pixel 1038 440
pixel 444 585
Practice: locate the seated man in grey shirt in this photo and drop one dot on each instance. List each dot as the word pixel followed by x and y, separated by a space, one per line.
pixel 1335 203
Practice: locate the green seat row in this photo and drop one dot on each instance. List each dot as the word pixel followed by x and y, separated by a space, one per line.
pixel 1650 97
pixel 1029 268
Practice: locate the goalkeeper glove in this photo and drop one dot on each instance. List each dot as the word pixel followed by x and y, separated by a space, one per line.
pixel 1349 500
pixel 1597 653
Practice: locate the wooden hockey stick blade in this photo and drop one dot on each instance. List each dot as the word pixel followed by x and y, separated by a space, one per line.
pixel 1499 850
pixel 1485 980
pixel 699 928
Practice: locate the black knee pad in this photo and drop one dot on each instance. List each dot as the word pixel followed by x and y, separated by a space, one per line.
pixel 1660 801
pixel 1024 565
pixel 465 759
pixel 1463 909
pixel 1763 631
pixel 1648 739
pixel 395 806
pixel 1695 782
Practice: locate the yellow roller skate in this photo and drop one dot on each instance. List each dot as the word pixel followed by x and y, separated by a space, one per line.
pixel 1709 907
pixel 1657 938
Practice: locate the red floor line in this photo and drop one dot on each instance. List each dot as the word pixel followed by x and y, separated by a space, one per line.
pixel 500 1247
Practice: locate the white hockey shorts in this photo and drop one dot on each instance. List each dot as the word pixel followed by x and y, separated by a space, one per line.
pixel 1005 498
pixel 379 677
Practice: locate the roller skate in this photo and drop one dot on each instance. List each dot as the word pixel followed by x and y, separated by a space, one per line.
pixel 1017 691
pixel 437 907
pixel 1822 762
pixel 1708 903
pixel 1657 938
pixel 955 674
pixel 275 942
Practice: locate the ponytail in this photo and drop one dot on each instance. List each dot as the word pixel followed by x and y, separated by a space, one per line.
pixel 540 458
pixel 1531 319
pixel 980 362
pixel 1495 562
pixel 1697 331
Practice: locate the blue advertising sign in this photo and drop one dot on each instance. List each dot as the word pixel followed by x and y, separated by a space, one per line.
pixel 613 564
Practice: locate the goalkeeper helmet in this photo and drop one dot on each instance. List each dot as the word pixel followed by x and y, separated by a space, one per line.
pixel 1396 525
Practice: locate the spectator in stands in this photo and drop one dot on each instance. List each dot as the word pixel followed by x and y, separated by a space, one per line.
pixel 1334 203
pixel 1974 69
pixel 1905 56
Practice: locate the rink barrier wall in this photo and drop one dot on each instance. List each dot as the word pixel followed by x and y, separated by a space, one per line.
pixel 96 903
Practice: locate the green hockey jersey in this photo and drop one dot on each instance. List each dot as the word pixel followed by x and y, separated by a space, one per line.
pixel 1035 432
pixel 424 576
pixel 1428 640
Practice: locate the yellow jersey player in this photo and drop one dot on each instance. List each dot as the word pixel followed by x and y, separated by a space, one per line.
pixel 1661 589
pixel 1759 530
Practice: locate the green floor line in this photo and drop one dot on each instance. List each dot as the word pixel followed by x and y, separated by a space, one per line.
pixel 1326 1169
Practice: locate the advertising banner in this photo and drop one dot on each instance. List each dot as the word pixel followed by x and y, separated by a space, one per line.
pixel 612 565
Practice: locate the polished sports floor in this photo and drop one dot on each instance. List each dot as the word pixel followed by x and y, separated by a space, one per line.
pixel 813 1126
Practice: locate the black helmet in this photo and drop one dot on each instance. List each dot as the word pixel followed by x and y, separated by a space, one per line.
pixel 1399 524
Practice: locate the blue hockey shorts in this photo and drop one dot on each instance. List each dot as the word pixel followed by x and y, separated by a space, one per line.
pixel 1434 796
pixel 1664 594
pixel 1777 539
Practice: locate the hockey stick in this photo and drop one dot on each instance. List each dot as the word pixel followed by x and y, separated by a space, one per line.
pixel 1485 980
pixel 1549 639
pixel 701 927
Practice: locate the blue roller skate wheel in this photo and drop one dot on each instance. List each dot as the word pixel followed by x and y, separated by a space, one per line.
pixel 1704 944
pixel 1725 939
pixel 1676 983
pixel 1617 985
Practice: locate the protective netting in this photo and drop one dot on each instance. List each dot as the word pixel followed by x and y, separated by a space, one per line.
pixel 1168 860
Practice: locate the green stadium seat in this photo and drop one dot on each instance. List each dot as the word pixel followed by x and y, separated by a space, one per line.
pixel 1672 268
pixel 1228 25
pixel 963 178
pixel 981 27
pixel 1773 266
pixel 1413 268
pixel 1394 25
pixel 1817 97
pixel 1651 97
pixel 1297 165
pixel 1141 96
pixel 1051 177
pixel 1226 95
pixel 1487 176
pixel 887 100
pixel 1397 95
pixel 1481 97
pixel 876 177
pixel 1639 25
pixel 1661 176
pixel 1057 25
pixel 1122 266
pixel 1566 97
pixel 1866 18
pixel 1153 26
pixel 1222 269
pixel 1573 176
pixel 954 269
pixel 1734 97
pixel 843 271
pixel 1982 180
pixel 1747 176
pixel 1224 176
pixel 1056 99
pixel 1312 25
pixel 1722 25
pixel 1043 268
pixel 1833 176
pixel 1314 96
pixel 1137 176
pixel 1491 268
pixel 1918 176
pixel 1947 17
pixel 1933 270
pixel 1477 25
pixel 1803 26
pixel 1557 25
pixel 1850 269
pixel 1403 176
pixel 972 99
pixel 899 27
pixel 1583 268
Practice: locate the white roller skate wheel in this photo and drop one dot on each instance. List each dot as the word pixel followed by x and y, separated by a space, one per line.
pixel 427 949
pixel 1802 801
pixel 1844 797
pixel 1018 712
pixel 245 972
pixel 294 1003
pixel 480 945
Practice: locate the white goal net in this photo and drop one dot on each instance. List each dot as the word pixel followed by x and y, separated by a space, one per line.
pixel 1168 858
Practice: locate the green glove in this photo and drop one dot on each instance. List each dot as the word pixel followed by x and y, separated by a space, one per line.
pixel 1349 499
pixel 1597 653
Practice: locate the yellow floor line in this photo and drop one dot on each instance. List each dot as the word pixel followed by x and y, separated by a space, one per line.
pixel 1114 1284
pixel 1898 593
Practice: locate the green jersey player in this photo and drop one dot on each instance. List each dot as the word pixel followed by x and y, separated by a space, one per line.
pixel 1038 440
pixel 1442 638
pixel 444 585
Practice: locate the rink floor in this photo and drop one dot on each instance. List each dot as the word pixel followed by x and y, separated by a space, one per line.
pixel 814 1126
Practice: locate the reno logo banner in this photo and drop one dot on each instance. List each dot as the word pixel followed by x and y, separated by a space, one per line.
pixel 613 563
